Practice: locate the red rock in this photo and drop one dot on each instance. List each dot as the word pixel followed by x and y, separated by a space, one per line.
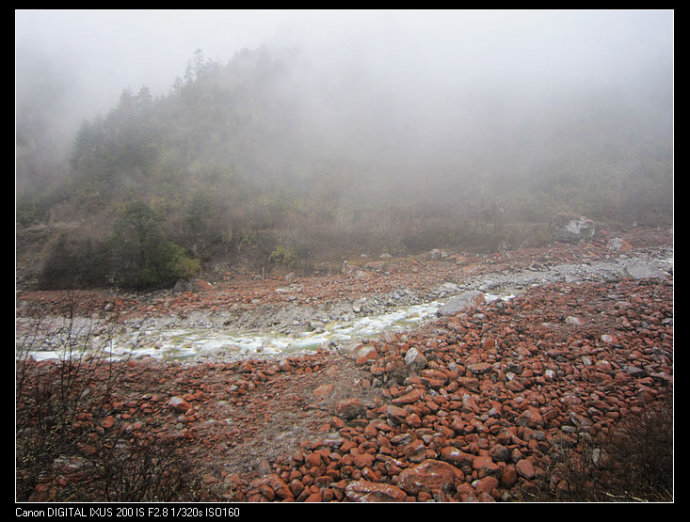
pixel 279 487
pixel 457 424
pixel 499 453
pixel 479 368
pixel 525 469
pixel 429 475
pixel 296 487
pixel 413 420
pixel 408 398
pixel 509 476
pixel 365 354
pixel 179 404
pixel 314 497
pixel 199 285
pixel 396 414
pixel 415 451
pixel 458 457
pixel 363 460
pixel 108 422
pixel 365 491
pixel 350 408
pixel 431 374
pixel 323 390
pixel 484 465
pixel 485 485
pixel 515 386
pixel 313 459
pixel 531 418
pixel 469 383
pixel 489 343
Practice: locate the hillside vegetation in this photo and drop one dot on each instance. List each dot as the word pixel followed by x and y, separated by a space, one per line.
pixel 255 164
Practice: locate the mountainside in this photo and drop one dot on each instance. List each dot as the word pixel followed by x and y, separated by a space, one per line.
pixel 259 164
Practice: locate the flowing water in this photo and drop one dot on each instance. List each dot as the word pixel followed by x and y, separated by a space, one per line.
pixel 180 341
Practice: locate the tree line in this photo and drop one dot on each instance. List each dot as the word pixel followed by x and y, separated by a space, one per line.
pixel 236 165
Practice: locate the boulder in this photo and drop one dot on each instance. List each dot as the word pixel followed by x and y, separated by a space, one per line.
pixel 350 408
pixel 430 474
pixel 179 404
pixel 644 271
pixel 569 228
pixel 365 491
pixel 618 244
pixel 414 360
pixel 465 302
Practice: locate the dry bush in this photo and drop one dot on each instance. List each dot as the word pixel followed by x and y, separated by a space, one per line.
pixel 633 463
pixel 56 402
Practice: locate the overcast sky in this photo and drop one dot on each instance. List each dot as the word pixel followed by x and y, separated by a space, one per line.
pixel 97 53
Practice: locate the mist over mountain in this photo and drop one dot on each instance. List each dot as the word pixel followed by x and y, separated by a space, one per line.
pixel 411 131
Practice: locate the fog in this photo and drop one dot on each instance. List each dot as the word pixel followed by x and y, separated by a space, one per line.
pixel 402 89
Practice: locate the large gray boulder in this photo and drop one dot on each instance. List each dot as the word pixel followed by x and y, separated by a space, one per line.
pixel 569 228
pixel 465 302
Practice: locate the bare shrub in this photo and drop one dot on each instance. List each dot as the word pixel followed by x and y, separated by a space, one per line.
pixel 632 463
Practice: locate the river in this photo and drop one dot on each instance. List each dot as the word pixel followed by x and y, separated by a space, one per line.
pixel 209 340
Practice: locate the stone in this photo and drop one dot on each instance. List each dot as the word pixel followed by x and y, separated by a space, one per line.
pixel 363 460
pixel 500 453
pixel 509 476
pixel 484 465
pixel 280 489
pixel 525 469
pixel 365 491
pixel 530 418
pixel 479 368
pixel 644 271
pixel 324 390
pixel 350 408
pixel 199 285
pixel 428 475
pixel 458 458
pixel 408 398
pixel 179 404
pixel 413 420
pixel 485 485
pixel 571 320
pixel 567 228
pixel 414 360
pixel 415 451
pixel 396 414
pixel 465 302
pixel 434 376
pixel 618 244
pixel 364 353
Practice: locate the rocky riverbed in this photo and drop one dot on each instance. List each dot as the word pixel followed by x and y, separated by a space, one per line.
pixel 513 355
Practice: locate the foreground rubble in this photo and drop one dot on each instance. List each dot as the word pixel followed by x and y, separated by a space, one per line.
pixel 470 407
pixel 498 391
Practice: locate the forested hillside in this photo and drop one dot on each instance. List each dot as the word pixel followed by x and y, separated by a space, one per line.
pixel 259 164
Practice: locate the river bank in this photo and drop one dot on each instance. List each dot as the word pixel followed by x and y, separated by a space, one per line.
pixel 278 318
